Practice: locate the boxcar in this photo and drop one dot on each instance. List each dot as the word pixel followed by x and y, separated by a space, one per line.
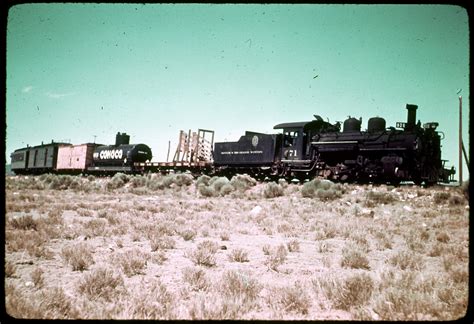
pixel 42 158
pixel 75 158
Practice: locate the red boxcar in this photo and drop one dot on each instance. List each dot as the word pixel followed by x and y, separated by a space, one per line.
pixel 76 157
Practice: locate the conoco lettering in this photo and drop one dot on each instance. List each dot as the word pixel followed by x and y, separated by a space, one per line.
pixel 111 154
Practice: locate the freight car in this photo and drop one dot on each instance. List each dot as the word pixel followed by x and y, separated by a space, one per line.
pixel 84 158
pixel 37 159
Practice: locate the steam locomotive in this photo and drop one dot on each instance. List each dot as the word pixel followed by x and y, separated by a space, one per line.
pixel 407 152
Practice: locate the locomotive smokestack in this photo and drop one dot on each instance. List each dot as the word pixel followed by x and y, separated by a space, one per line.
pixel 411 117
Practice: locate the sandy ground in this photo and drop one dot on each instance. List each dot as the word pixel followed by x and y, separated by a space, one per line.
pixel 409 254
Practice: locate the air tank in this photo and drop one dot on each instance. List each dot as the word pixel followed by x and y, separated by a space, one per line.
pixel 351 125
pixel 376 124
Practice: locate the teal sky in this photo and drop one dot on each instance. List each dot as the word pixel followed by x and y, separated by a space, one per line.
pixel 79 70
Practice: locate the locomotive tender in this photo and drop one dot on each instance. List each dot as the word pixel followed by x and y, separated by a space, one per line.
pixel 407 152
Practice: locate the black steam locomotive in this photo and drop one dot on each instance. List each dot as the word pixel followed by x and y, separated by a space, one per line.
pixel 407 152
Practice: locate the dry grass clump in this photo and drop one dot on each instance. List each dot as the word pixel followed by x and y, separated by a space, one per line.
pixel 328 286
pixel 117 181
pixel 239 255
pixel 218 182
pixel 323 189
pixel 243 182
pixel 31 241
pixel 196 277
pixel 276 257
pixel 354 258
pixel 96 227
pixel 156 181
pixel 224 235
pixel 325 231
pixel 157 303
pixel 411 295
pixel 188 234
pixel 221 186
pixel 355 291
pixel 346 293
pixel 37 276
pixel 162 243
pixel 101 283
pixel 138 181
pixel 109 215
pixel 239 286
pixel 79 256
pixel 211 187
pixel 272 190
pixel 455 200
pixel 442 237
pixel 374 198
pixel 62 182
pixel 214 307
pixel 203 179
pixel 132 262
pixel 24 183
pixel 204 254
pixel 25 223
pixel 407 260
pixel 441 197
pixel 293 245
pixel 292 298
pixel 55 304
pixel 52 303
pixel 383 240
pixel 10 269
pixel 416 239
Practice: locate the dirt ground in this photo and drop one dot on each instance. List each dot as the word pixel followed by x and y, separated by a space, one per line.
pixel 95 250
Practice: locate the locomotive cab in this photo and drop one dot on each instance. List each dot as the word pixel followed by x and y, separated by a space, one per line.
pixel 295 140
